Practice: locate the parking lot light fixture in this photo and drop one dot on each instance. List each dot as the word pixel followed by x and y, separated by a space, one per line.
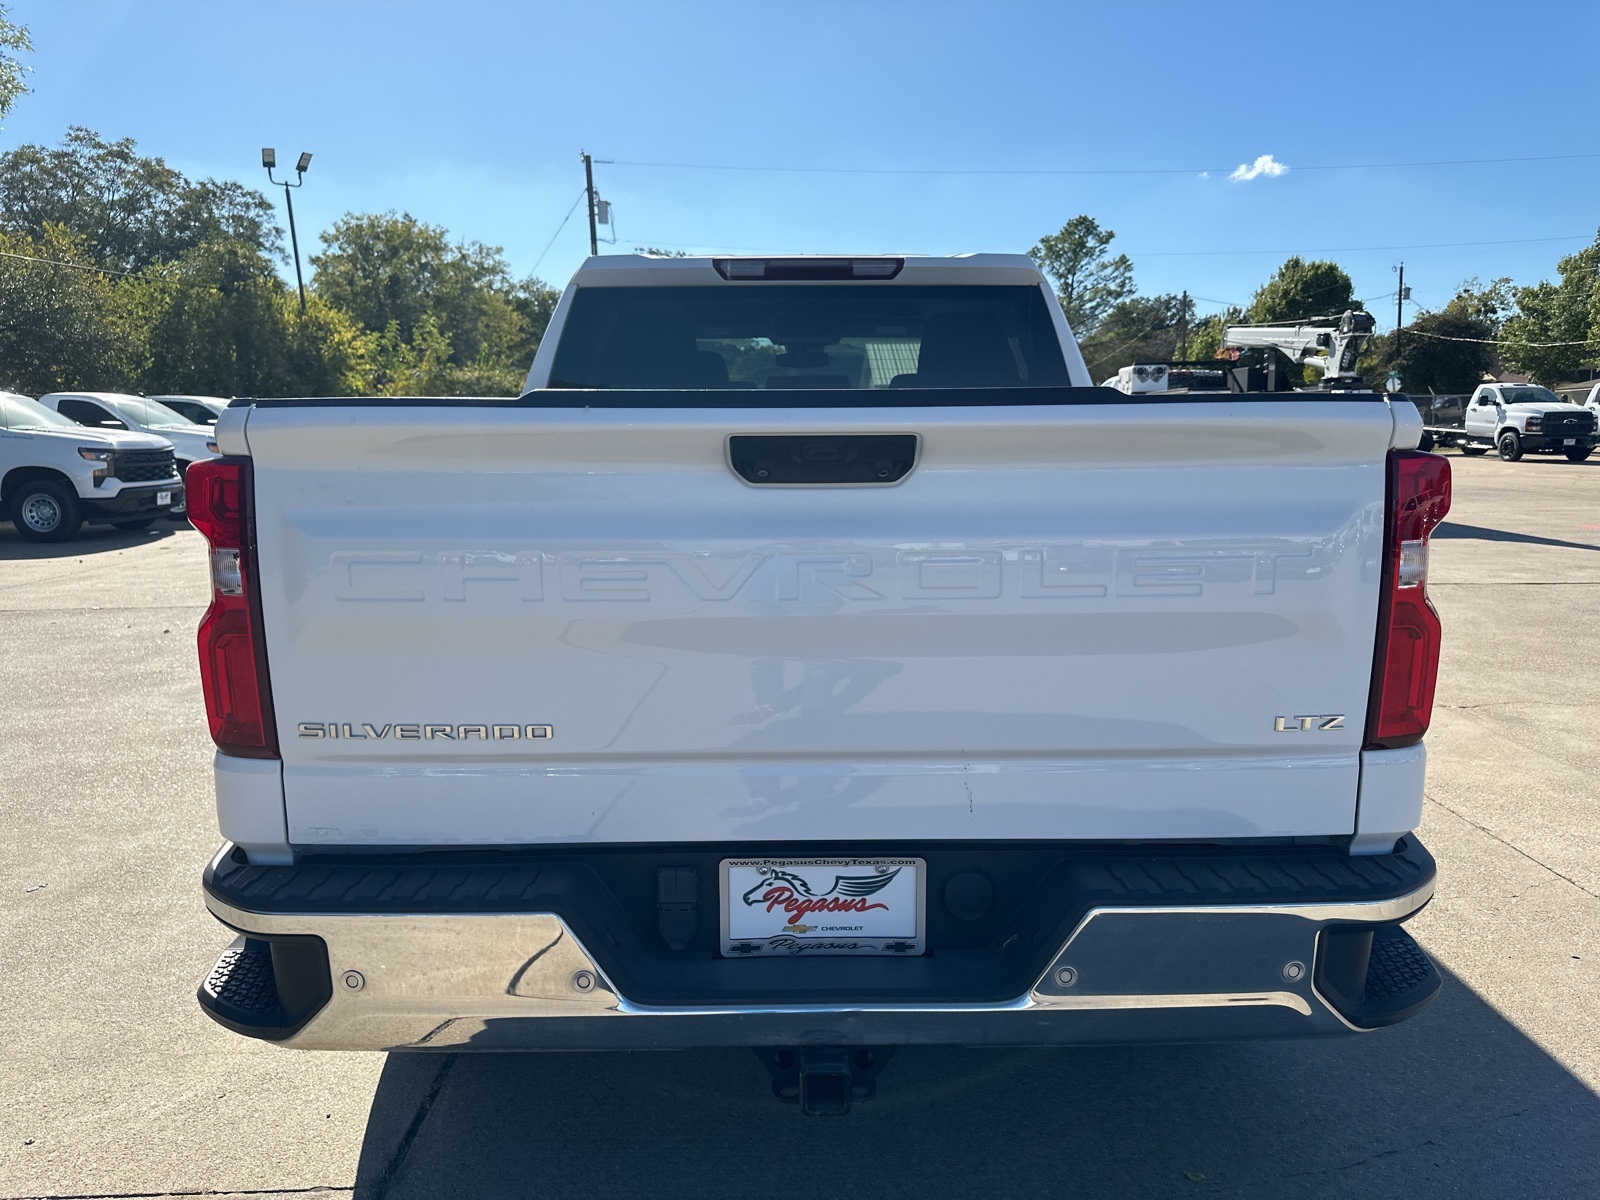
pixel 269 160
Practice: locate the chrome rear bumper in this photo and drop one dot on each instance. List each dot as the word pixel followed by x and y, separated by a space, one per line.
pixel 523 981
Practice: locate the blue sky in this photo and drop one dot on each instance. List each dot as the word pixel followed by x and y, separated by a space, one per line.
pixel 471 115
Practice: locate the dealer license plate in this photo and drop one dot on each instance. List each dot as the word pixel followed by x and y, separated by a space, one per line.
pixel 163 499
pixel 1569 441
pixel 823 906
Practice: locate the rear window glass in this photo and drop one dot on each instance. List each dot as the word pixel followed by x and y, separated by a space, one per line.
pixel 814 336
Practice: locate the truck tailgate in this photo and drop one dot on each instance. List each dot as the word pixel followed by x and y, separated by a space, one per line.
pixel 500 624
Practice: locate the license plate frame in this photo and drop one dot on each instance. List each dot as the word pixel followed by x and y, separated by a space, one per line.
pixel 842 908
pixel 163 499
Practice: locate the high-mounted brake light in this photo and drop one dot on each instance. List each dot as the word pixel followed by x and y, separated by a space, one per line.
pixel 1406 663
pixel 233 658
pixel 808 269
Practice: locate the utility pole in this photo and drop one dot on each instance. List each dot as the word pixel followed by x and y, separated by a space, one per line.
pixel 1183 327
pixel 1399 308
pixel 588 186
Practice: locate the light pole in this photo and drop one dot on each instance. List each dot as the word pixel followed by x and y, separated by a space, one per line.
pixel 269 160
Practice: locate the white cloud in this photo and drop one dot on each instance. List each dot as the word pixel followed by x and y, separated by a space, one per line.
pixel 1264 165
pixel 1205 174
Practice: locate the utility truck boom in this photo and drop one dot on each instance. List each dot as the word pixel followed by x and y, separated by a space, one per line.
pixel 1332 349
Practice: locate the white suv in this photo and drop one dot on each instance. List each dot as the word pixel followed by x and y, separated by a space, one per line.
pixel 55 474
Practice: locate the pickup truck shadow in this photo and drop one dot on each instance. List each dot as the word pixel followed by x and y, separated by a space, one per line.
pixel 1479 533
pixel 1457 1102
pixel 93 539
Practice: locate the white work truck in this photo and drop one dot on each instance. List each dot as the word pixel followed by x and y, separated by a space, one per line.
pixel 1514 419
pixel 143 414
pixel 812 660
pixel 1592 401
pixel 55 474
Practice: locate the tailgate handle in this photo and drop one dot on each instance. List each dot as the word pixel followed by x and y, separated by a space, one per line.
pixel 822 458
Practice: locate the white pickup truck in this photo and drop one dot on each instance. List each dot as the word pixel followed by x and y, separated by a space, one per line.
pixel 1592 402
pixel 1514 419
pixel 811 660
pixel 55 474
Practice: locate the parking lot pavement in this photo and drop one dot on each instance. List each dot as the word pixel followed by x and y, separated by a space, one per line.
pixel 115 1085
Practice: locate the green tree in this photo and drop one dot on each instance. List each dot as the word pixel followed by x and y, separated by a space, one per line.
pixel 1300 290
pixel 385 268
pixel 535 302
pixel 1445 352
pixel 414 365
pixel 1089 281
pixel 1140 329
pixel 215 323
pixel 1205 334
pixel 13 40
pixel 1491 304
pixel 397 276
pixel 325 353
pixel 1555 332
pixel 222 322
pixel 62 323
pixel 130 211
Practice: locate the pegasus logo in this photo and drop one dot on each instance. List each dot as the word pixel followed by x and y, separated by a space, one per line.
pixel 798 899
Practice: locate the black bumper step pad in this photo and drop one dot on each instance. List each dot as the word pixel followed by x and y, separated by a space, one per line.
pixel 267 989
pixel 241 985
pixel 1401 979
pixel 1375 976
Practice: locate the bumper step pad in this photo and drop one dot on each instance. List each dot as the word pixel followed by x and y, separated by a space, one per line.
pixel 1401 978
pixel 241 986
pixel 267 989
pixel 1397 978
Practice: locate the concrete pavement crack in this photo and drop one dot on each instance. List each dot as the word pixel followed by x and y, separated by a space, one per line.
pixel 1516 583
pixel 391 1170
pixel 1511 845
pixel 1340 1168
pixel 1522 705
pixel 106 608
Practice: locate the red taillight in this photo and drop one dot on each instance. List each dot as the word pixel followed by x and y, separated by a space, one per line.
pixel 1406 666
pixel 233 658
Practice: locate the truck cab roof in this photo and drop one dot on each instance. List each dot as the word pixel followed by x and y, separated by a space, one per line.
pixel 712 270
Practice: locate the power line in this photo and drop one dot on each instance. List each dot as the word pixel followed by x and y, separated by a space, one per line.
pixel 798 170
pixel 1353 249
pixel 717 247
pixel 1576 237
pixel 56 262
pixel 557 233
pixel 1440 337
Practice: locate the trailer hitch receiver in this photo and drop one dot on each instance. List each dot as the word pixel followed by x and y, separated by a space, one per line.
pixel 824 1080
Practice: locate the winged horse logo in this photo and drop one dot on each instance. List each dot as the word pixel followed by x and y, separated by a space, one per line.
pixel 848 886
